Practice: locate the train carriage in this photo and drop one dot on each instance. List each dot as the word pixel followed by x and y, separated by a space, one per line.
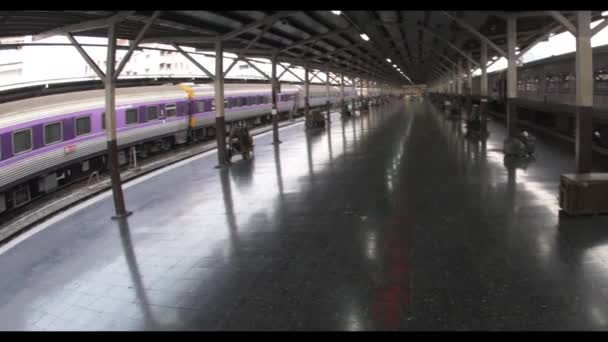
pixel 47 142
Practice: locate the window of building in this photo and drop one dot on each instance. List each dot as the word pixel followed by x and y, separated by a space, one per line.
pixel 131 116
pixel 52 133
pixel 22 141
pixel 83 125
pixel 152 113
pixel 170 110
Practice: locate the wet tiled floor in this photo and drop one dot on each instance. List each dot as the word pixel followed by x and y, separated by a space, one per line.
pixel 392 220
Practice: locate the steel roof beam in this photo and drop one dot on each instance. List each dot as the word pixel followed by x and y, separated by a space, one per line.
pixel 262 32
pixel 247 27
pixel 296 76
pixel 83 26
pixel 255 68
pixel 448 43
pixel 230 67
pixel 181 40
pixel 476 33
pixel 599 27
pixel 549 30
pixel 134 44
pixel 562 20
pixel 86 57
pixel 194 61
pixel 313 38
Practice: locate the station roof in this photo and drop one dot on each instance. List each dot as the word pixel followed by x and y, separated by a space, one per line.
pixel 421 43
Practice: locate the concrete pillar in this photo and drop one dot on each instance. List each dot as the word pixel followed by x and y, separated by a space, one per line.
pixel 275 108
pixel 354 98
pixel 307 93
pixel 342 99
pixel 459 73
pixel 220 122
pixel 511 74
pixel 328 102
pixel 112 141
pixel 584 93
pixel 483 86
pixel 469 87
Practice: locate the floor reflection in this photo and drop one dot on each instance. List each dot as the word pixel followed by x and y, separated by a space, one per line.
pixel 136 277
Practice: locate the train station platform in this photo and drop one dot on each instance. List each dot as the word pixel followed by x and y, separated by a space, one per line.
pixel 393 220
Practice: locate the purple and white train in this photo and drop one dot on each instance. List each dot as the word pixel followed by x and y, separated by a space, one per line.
pixel 51 141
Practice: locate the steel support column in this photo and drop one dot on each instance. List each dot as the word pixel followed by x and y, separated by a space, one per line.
pixel 328 102
pixel 458 71
pixel 483 87
pixel 584 93
pixel 342 99
pixel 275 108
pixel 354 95
pixel 469 92
pixel 112 141
pixel 220 121
pixel 511 74
pixel 307 94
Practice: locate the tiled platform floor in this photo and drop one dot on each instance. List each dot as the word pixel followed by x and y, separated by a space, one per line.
pixel 394 220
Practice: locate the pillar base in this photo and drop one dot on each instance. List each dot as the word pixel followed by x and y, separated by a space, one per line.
pixel 511 117
pixel 220 133
pixel 584 139
pixel 222 166
pixel 122 216
pixel 483 114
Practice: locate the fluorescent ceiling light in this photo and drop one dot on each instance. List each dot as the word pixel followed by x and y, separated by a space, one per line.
pixel 364 37
pixel 395 65
pixel 336 12
pixel 494 58
pixel 388 60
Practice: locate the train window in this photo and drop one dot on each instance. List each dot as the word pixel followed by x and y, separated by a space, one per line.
pixel 260 100
pixel 83 125
pixel 103 121
pixel 52 133
pixel 152 113
pixel 601 75
pixel 131 116
pixel 520 85
pixel 552 83
pixel 170 110
pixel 212 104
pixel 567 83
pixel 200 106
pixel 226 103
pixel 601 81
pixel 22 141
